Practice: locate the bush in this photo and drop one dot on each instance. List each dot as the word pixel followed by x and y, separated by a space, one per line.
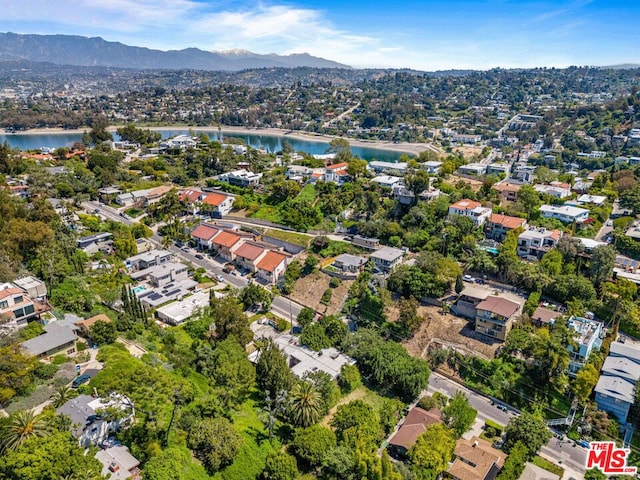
pixel 349 378
pixel 59 360
pixel 326 297
pixel 427 402
pixel 489 424
pixel 81 346
pixel 282 324
pixel 334 282
pixel 45 371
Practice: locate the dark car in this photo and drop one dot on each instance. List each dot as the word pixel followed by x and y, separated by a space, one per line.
pixel 198 256
pixel 84 378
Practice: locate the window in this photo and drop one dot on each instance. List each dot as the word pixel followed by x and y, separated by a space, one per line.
pixel 17 299
pixel 4 304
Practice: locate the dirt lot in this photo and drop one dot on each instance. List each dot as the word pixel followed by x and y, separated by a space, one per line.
pixel 446 329
pixel 309 290
pixel 475 185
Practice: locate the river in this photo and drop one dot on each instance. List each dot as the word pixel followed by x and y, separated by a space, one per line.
pixel 270 143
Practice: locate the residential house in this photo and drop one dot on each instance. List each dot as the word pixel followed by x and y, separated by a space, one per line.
pixel 337 173
pixel 596 200
pixel 248 255
pixel 498 168
pixel 468 300
pixel 32 286
pixel 406 197
pixel 59 338
pixel 17 307
pixel 203 235
pixel 555 189
pixel 95 243
pixel 87 425
pixel 495 316
pixel 565 213
pixel 366 242
pixel 471 209
pixel 149 259
pixel 152 297
pixel 163 274
pixel 414 425
pixel 241 178
pixel 272 266
pixel 475 459
pixel 225 243
pixel 507 191
pixel 387 259
pixel 180 141
pixel 154 195
pixel 176 313
pixel 498 225
pixel 432 166
pixel 303 361
pixel 349 264
pixel 118 463
pixel 381 167
pixel 616 389
pixel 386 180
pixel 84 326
pixel 215 204
pixel 534 242
pixel 545 317
pixel 590 244
pixel 475 169
pixel 588 337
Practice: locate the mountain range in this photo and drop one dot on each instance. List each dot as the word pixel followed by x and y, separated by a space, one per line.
pixel 95 51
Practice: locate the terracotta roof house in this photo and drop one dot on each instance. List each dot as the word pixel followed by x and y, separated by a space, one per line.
pixel 86 324
pixel 495 316
pixel 203 235
pixel 414 425
pixel 498 225
pixel 476 459
pixel 507 191
pixel 471 209
pixel 224 243
pixel 218 204
pixel 272 266
pixel 248 255
pixel 544 316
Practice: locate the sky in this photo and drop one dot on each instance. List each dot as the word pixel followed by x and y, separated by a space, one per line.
pixel 419 34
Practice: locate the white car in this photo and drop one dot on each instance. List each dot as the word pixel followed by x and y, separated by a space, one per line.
pixel 220 278
pixel 468 278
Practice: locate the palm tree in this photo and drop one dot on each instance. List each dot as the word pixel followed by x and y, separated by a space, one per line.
pixel 62 395
pixel 21 426
pixel 305 404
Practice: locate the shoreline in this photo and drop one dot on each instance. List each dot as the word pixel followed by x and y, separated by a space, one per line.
pixel 409 148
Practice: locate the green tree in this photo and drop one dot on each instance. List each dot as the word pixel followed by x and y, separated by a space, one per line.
pixel 15 371
pixel 272 369
pixel 170 464
pixel 305 404
pixel 103 333
pixel 54 457
pixel 341 148
pixel 230 319
pixel 514 464
pixel 21 426
pixel 215 442
pixel 349 378
pixel 357 167
pixel 62 395
pixel 528 428
pixel 280 466
pixel 315 337
pixel 305 317
pixel 459 415
pixel 601 265
pixel 459 284
pixel 409 319
pixel 254 294
pixel 586 380
pixel 432 452
pixel 311 445
pixel 357 424
pixel 529 200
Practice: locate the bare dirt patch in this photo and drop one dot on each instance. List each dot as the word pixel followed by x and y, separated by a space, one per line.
pixel 309 290
pixel 446 329
pixel 355 395
pixel 475 185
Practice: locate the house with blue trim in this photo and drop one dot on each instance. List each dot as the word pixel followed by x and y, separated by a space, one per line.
pixel 616 388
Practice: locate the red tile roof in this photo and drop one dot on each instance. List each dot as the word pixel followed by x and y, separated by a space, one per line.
pixel 226 239
pixel 190 196
pixel 499 305
pixel 506 221
pixel 249 251
pixel 214 199
pixel 9 291
pixel 338 166
pixel 416 422
pixel 271 260
pixel 205 232
pixel 465 204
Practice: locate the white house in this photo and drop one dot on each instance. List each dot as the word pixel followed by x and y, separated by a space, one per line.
pixel 471 209
pixel 272 266
pixel 535 242
pixel 565 213
pixel 387 258
pixel 380 167
pixel 432 166
pixel 559 190
pixel 241 178
pixel 386 180
pixel 89 424
pixel 476 169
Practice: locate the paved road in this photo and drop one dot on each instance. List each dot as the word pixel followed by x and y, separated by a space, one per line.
pixel 281 306
pixel 603 232
pixel 572 456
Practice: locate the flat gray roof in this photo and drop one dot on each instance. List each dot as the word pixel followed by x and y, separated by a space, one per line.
pixel 615 387
pixel 388 253
pixel 56 334
pixel 622 367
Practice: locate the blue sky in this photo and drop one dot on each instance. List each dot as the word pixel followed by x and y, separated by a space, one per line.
pixel 424 35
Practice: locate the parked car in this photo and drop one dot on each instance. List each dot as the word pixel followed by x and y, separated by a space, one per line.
pixel 97 210
pixel 468 278
pixel 479 281
pixel 185 249
pixel 84 378
pixel 220 278
pixel 583 443
pixel 199 257
pixel 503 408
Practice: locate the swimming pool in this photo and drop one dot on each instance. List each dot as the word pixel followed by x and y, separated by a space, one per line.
pixel 139 288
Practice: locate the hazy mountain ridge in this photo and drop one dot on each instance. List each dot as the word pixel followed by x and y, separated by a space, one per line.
pixel 95 51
